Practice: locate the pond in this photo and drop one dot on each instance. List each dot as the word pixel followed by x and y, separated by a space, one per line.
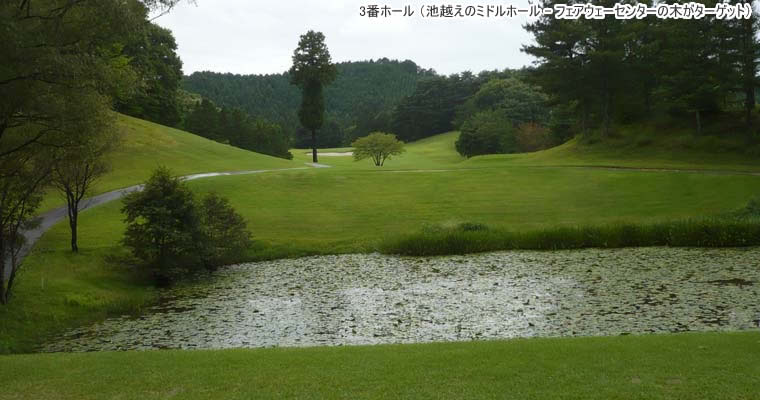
pixel 372 299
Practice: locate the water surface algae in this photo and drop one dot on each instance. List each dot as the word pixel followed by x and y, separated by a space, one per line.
pixel 372 299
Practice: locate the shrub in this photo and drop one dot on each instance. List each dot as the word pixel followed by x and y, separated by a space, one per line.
pixel 225 232
pixel 163 226
pixel 172 235
pixel 487 132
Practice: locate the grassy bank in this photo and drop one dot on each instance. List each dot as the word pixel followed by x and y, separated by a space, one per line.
pixel 681 366
pixel 476 238
pixel 145 146
pixel 57 289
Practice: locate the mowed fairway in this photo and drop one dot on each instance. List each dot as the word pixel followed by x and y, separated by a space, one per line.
pixel 341 210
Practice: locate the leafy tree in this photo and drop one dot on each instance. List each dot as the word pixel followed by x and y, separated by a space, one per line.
pixel 519 101
pixel 22 180
pixel 377 146
pixel 204 120
pixel 225 232
pixel 692 76
pixel 312 69
pixel 487 132
pixel 153 55
pixel 164 227
pixel 63 64
pixel 78 168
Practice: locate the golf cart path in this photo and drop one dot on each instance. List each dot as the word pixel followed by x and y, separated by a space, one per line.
pixel 50 218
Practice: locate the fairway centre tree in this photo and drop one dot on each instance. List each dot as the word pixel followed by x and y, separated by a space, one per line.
pixel 312 69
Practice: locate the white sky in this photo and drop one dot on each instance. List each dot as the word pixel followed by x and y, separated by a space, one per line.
pixel 259 36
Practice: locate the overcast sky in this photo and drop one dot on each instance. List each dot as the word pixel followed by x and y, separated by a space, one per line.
pixel 259 36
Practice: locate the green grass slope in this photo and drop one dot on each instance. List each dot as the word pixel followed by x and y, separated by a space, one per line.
pixel 679 152
pixel 57 289
pixel 145 146
pixel 682 366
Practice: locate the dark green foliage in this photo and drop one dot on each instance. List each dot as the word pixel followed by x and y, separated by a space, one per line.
pixel 62 66
pixel 153 55
pixel 203 120
pixel 234 127
pixel 312 70
pixel 619 71
pixel 225 232
pixel 430 110
pixel 487 132
pixel 164 227
pixel 359 101
pixel 331 135
pixel 312 110
pixel 173 236
pixel 462 239
pixel 520 102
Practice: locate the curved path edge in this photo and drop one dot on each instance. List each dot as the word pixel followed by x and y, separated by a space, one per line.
pixel 48 219
pixel 52 217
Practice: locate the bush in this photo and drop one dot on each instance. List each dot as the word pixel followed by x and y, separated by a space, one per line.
pixel 225 232
pixel 487 132
pixel 172 236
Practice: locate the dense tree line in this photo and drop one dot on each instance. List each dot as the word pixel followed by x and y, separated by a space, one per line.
pixel 233 126
pixel 362 92
pixel 618 71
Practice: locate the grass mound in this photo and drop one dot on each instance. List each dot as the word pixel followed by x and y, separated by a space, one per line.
pixel 145 146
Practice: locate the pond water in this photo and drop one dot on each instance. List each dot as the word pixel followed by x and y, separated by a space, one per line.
pixel 372 299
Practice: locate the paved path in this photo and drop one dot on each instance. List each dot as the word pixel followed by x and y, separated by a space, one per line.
pixel 52 217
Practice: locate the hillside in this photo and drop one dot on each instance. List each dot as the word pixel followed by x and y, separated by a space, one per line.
pixel 145 146
pixel 672 151
pixel 362 89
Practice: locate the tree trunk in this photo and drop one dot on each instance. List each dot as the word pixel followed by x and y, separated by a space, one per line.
pixel 73 224
pixel 699 122
pixel 314 146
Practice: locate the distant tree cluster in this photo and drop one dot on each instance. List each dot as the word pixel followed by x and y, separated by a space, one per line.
pixel 173 234
pixel 504 116
pixel 235 127
pixel 607 71
pixel 359 101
